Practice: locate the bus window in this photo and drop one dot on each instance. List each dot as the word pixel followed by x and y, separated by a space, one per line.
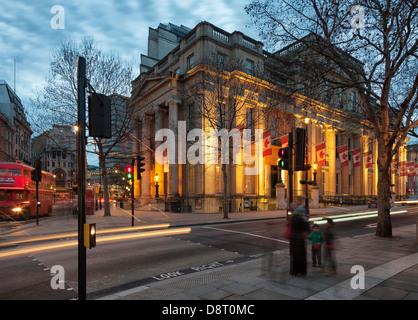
pixel 3 172
pixel 15 172
pixel 26 173
pixel 5 195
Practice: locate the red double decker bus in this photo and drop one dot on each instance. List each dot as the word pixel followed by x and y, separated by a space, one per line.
pixel 18 192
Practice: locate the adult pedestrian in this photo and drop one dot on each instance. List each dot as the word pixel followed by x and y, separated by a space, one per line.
pixel 329 248
pixel 297 242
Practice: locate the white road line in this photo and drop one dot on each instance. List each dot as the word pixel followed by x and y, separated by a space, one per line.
pixel 247 233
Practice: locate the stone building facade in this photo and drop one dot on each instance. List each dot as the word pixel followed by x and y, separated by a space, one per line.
pixel 272 97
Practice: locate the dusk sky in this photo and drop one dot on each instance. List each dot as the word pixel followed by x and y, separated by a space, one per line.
pixel 26 33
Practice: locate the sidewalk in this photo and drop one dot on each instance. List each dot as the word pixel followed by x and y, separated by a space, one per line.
pixel 391 272
pixel 391 265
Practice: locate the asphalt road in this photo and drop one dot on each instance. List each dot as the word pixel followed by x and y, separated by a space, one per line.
pixel 120 263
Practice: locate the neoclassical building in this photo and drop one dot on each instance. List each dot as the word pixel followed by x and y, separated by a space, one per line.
pixel 206 78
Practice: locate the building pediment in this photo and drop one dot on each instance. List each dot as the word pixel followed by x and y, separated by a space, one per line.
pixel 144 84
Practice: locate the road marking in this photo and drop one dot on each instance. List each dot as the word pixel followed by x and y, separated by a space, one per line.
pixel 247 233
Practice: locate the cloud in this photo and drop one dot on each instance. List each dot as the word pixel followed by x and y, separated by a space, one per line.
pixel 122 26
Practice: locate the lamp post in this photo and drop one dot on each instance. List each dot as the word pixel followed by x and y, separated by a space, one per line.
pixel 157 196
pixel 306 120
pixel 314 167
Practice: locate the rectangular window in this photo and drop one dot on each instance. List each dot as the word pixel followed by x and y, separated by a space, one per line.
pixel 190 62
pixel 220 60
pixel 219 179
pixel 249 66
pixel 353 100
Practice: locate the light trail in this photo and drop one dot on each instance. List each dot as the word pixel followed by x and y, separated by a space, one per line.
pixel 75 234
pixel 352 216
pixel 99 240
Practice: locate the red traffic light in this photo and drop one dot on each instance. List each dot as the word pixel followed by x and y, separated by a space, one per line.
pixel 129 171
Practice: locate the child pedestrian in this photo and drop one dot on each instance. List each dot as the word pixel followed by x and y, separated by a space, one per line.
pixel 317 239
pixel 329 236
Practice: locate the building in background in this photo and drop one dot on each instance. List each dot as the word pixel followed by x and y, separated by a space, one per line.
pixel 15 144
pixel 56 148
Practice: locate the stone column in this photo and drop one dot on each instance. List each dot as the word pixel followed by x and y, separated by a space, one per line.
pixel 159 168
pixel 144 146
pixel 173 174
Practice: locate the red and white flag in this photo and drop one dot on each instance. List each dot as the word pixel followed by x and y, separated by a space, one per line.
pixel 320 154
pixel 394 165
pixel 410 166
pixel 343 152
pixel 267 150
pixel 356 157
pixel 402 168
pixel 285 142
pixel 368 159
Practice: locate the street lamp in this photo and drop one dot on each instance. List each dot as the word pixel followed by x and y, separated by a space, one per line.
pixel 157 196
pixel 314 167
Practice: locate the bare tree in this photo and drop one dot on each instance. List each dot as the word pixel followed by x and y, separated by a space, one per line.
pixel 384 37
pixel 224 96
pixel 107 73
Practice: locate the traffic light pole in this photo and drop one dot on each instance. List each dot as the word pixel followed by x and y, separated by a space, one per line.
pixel 81 174
pixel 290 173
pixel 133 194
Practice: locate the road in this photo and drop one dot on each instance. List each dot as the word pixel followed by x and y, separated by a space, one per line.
pixel 123 260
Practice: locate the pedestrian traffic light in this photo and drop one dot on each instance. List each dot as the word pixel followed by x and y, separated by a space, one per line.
pixel 90 235
pixel 139 165
pixel 300 149
pixel 36 174
pixel 284 158
pixel 129 172
pixel 99 116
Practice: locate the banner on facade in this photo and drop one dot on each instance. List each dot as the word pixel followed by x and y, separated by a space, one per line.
pixel 394 166
pixel 343 153
pixel 410 167
pixel 285 142
pixel 320 154
pixel 356 157
pixel 368 159
pixel 267 149
pixel 402 168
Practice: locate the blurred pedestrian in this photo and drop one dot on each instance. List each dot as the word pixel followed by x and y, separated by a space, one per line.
pixel 317 239
pixel 297 246
pixel 329 248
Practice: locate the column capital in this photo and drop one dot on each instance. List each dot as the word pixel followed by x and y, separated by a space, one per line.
pixel 173 100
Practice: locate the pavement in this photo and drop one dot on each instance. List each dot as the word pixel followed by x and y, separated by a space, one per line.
pixel 368 267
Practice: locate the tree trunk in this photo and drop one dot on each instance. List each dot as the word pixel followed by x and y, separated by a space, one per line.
pixel 384 224
pixel 103 172
pixel 225 177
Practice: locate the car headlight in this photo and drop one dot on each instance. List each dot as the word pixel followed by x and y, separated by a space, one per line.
pixel 17 209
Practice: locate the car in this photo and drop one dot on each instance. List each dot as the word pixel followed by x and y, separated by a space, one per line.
pixel 372 203
pixel 411 200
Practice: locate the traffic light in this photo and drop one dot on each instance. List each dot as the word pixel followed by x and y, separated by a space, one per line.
pixel 99 116
pixel 300 149
pixel 284 158
pixel 36 174
pixel 129 172
pixel 90 235
pixel 139 165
